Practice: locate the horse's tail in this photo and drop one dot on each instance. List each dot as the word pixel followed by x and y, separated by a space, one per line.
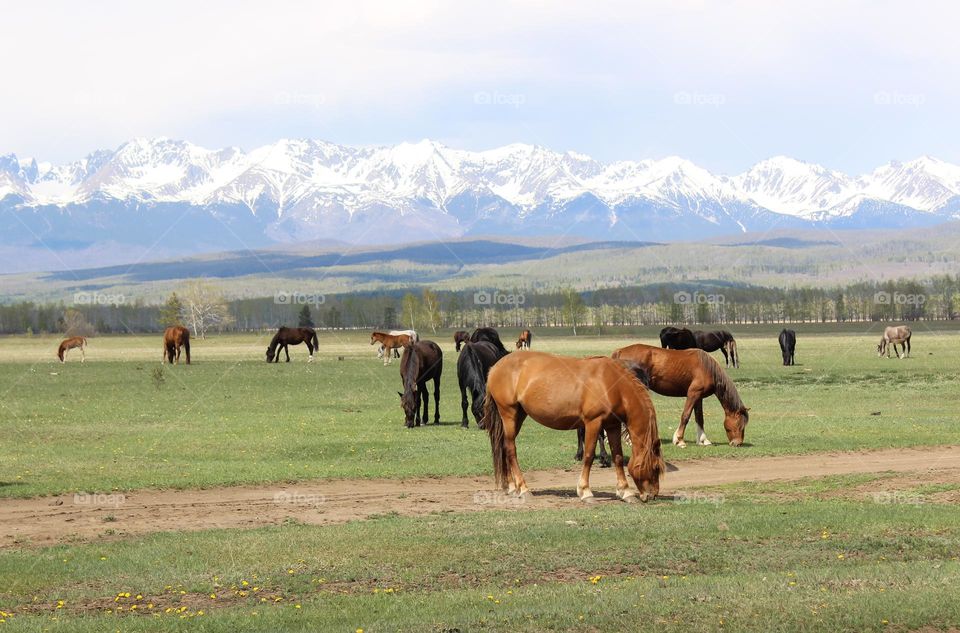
pixel 475 380
pixel 493 423
pixel 315 340
pixel 529 338
pixel 732 347
pixel 186 344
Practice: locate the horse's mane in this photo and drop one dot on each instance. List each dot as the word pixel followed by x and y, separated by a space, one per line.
pixel 410 365
pixel 651 452
pixel 723 387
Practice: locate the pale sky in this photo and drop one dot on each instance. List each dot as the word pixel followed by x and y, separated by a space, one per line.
pixel 850 85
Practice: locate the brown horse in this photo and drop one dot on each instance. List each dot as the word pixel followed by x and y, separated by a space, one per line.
pixel 565 393
pixel 420 363
pixel 894 335
pixel 68 344
pixel 175 337
pixel 460 337
pixel 525 339
pixel 390 342
pixel 287 336
pixel 692 374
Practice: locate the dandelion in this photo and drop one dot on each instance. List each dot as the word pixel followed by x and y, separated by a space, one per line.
pixel 595 579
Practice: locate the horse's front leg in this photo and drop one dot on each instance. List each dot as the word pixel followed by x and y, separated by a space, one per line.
pixel 701 435
pixel 591 433
pixel 83 355
pixel 684 418
pixel 423 402
pixel 616 447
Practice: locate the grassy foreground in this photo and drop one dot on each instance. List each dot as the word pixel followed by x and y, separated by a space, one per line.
pixel 734 561
pixel 116 423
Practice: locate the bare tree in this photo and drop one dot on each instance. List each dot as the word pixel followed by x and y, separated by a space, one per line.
pixel 74 323
pixel 431 310
pixel 204 307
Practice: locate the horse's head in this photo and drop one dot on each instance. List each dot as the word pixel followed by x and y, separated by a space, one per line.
pixel 881 346
pixel 735 424
pixel 269 354
pixel 519 343
pixel 646 470
pixel 373 338
pixel 410 403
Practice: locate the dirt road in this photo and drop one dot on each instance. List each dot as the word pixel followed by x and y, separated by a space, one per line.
pixel 49 520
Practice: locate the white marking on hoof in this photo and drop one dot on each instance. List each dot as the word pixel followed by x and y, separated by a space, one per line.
pixel 704 441
pixel 588 498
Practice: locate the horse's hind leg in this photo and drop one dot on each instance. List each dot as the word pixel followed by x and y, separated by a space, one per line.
pixel 436 400
pixel 616 447
pixel 726 358
pixel 604 458
pixel 463 405
pixel 579 455
pixel 591 433
pixel 701 435
pixel 83 356
pixel 512 422
pixel 286 350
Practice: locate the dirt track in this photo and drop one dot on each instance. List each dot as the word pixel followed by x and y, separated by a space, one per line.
pixel 49 520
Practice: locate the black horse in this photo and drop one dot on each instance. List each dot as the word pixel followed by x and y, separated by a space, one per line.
pixel 677 338
pixel 473 365
pixel 489 335
pixel 719 340
pixel 788 344
pixel 291 336
pixel 420 363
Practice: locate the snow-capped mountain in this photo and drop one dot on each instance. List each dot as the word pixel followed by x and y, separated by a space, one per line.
pixel 161 191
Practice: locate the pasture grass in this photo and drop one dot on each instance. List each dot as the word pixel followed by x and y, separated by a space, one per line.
pixel 115 423
pixel 778 559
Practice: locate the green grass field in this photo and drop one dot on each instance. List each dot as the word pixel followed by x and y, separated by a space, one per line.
pixel 772 557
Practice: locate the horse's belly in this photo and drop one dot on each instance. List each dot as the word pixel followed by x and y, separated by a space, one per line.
pixel 554 408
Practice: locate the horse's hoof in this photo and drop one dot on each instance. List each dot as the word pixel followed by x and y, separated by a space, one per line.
pixel 630 499
pixel 681 444
pixel 588 500
pixel 525 496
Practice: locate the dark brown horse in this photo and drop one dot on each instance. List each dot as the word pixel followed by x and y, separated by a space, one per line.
pixel 175 337
pixel 460 337
pixel 694 375
pixel 286 336
pixel 525 339
pixel 566 393
pixel 677 338
pixel 390 342
pixel 788 346
pixel 74 342
pixel 490 335
pixel 420 363
pixel 719 340
pixel 473 365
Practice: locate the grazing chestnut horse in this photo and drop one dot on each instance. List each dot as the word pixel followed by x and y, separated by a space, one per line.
pixel 286 336
pixel 525 339
pixel 490 335
pixel 692 374
pixel 566 393
pixel 788 345
pixel 894 335
pixel 68 344
pixel 175 337
pixel 420 362
pixel 473 365
pixel 460 337
pixel 390 342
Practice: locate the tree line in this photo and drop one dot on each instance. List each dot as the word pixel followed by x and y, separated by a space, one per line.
pixel 201 306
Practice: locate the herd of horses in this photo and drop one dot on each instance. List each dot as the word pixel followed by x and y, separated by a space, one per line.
pixel 599 396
